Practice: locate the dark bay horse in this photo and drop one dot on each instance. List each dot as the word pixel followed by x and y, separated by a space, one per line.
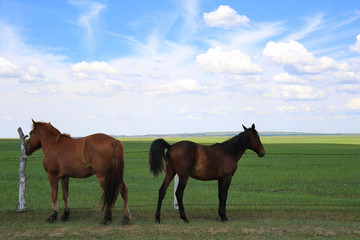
pixel 65 157
pixel 189 159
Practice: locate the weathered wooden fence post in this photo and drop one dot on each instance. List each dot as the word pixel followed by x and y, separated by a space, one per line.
pixel 22 175
pixel 176 183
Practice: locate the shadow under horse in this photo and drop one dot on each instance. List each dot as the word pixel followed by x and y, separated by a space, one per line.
pixel 65 157
pixel 189 159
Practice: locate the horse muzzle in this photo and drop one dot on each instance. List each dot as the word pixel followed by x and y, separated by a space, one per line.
pixel 27 151
pixel 261 154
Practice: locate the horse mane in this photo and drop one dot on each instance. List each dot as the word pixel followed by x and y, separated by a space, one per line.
pixel 237 143
pixel 52 130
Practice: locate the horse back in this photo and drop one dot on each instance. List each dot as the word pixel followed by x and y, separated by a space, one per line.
pixel 100 147
pixel 82 157
pixel 182 155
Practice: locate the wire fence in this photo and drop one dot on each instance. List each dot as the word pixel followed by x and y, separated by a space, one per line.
pixel 267 183
pixel 250 153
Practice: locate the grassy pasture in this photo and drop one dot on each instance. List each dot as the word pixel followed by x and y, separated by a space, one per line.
pixel 304 187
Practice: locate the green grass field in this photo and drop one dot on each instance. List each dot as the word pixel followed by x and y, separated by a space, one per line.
pixel 305 187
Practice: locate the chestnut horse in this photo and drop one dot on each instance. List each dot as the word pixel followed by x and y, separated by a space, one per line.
pixel 189 159
pixel 66 157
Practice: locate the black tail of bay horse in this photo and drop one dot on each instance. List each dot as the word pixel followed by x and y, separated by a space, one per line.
pixel 189 159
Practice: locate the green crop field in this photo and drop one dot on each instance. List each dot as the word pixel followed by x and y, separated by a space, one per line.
pixel 305 187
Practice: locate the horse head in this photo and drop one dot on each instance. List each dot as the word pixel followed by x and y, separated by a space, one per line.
pixel 41 132
pixel 33 143
pixel 255 143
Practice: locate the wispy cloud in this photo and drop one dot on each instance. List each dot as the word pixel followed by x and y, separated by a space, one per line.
pixel 312 24
pixel 189 11
pixel 88 18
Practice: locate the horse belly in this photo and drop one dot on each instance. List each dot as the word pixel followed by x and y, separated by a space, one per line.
pixel 75 168
pixel 202 171
pixel 80 173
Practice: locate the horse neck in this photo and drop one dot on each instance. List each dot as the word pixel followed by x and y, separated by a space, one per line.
pixel 237 145
pixel 47 140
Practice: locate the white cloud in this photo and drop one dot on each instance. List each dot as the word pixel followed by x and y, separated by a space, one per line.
pixel 249 109
pixel 86 70
pixel 218 61
pixel 43 90
pixel 218 112
pixel 288 79
pixel 296 56
pixel 296 92
pixel 285 109
pixel 356 47
pixel 8 69
pixel 93 67
pixel 121 85
pixel 349 88
pixel 177 86
pixel 246 78
pixel 354 104
pixel 305 108
pixel 346 77
pixel 181 111
pixel 32 75
pixel 225 17
pixel 190 116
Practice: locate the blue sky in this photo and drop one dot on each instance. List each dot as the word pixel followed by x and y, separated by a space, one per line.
pixel 140 67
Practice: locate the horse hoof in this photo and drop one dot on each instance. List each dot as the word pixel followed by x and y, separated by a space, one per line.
pixel 157 220
pixel 105 222
pixel 65 218
pixel 51 219
pixel 186 220
pixel 126 221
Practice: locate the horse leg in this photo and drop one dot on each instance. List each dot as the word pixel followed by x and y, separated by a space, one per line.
pixel 127 214
pixel 65 190
pixel 179 196
pixel 170 174
pixel 108 215
pixel 223 187
pixel 53 180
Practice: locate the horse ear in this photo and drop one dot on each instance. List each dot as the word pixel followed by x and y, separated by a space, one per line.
pixel 33 121
pixel 244 127
pixel 253 126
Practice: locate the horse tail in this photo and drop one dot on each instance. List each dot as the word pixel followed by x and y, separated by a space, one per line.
pixel 114 178
pixel 156 156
